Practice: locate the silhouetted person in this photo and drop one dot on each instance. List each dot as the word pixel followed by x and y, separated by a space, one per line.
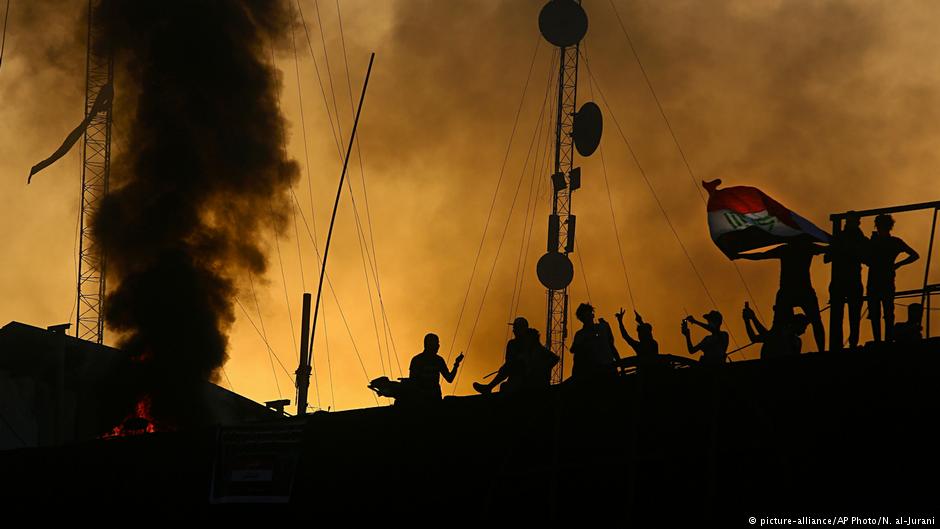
pixel 517 371
pixel 783 337
pixel 908 332
pixel 885 249
pixel 796 287
pixel 848 249
pixel 426 369
pixel 644 346
pixel 593 346
pixel 540 361
pixel 713 347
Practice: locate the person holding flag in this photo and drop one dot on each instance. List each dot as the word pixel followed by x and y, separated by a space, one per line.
pixel 743 218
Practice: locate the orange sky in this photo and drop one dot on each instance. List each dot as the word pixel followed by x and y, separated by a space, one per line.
pixel 826 106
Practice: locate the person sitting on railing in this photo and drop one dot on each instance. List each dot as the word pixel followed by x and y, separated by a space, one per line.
pixel 908 332
pixel 783 337
pixel 884 251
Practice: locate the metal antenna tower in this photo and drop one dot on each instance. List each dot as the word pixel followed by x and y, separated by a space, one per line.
pixel 564 23
pixel 96 152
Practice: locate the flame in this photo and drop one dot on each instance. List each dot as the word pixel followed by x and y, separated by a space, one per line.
pixel 139 422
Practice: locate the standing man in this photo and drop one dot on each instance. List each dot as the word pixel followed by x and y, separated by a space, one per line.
pixel 848 249
pixel 426 369
pixel 885 249
pixel 796 287
pixel 593 346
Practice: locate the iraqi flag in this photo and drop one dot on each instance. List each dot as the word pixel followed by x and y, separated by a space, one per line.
pixel 743 218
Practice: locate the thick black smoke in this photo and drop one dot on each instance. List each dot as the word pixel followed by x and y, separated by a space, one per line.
pixel 200 165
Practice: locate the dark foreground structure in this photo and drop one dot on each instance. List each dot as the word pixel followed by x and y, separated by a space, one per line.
pixel 848 433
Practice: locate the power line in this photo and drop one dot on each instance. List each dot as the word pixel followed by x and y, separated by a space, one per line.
pixel 499 248
pixel 261 335
pixel 532 198
pixel 326 105
pixel 264 334
pixel 489 214
pixel 3 39
pixel 675 140
pixel 613 217
pixel 329 283
pixel 386 327
pixel 649 185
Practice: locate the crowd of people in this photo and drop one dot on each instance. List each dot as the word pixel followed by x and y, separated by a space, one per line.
pixel 528 362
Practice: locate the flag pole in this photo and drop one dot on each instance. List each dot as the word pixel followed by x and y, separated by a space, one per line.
pixel 303 381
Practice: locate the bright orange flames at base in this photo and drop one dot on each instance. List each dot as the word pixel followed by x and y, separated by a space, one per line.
pixel 137 423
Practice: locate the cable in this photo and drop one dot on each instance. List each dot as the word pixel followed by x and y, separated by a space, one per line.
pixel 659 203
pixel 543 169
pixel 489 215
pixel 329 283
pixel 489 278
pixel 3 39
pixel 386 328
pixel 260 335
pixel 530 202
pixel 280 262
pixel 264 335
pixel 326 105
pixel 613 217
pixel 587 289
pixel 227 379
pixel 675 139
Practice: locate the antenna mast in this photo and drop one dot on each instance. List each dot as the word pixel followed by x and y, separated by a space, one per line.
pixel 96 168
pixel 564 23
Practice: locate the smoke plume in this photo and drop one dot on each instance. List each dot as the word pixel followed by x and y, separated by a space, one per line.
pixel 201 170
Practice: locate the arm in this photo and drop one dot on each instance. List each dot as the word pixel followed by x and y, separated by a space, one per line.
pixel 912 256
pixel 623 332
pixel 753 327
pixel 450 375
pixel 700 324
pixel 688 339
pixel 759 256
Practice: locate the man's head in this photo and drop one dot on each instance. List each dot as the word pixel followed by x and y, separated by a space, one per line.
pixel 852 221
pixel 585 313
pixel 519 327
pixel 915 312
pixel 431 343
pixel 644 332
pixel 884 223
pixel 713 318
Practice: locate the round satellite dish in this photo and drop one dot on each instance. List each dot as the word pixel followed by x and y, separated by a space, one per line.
pixel 555 270
pixel 563 22
pixel 588 125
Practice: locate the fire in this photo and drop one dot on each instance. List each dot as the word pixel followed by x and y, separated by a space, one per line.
pixel 137 423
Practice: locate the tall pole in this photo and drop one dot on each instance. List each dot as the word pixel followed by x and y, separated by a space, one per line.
pixel 561 235
pixel 564 23
pixel 96 168
pixel 303 370
pixel 329 234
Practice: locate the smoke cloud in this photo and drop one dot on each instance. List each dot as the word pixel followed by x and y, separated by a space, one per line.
pixel 201 168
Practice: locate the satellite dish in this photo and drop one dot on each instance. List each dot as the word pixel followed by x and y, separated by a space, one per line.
pixel 588 125
pixel 563 22
pixel 555 270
